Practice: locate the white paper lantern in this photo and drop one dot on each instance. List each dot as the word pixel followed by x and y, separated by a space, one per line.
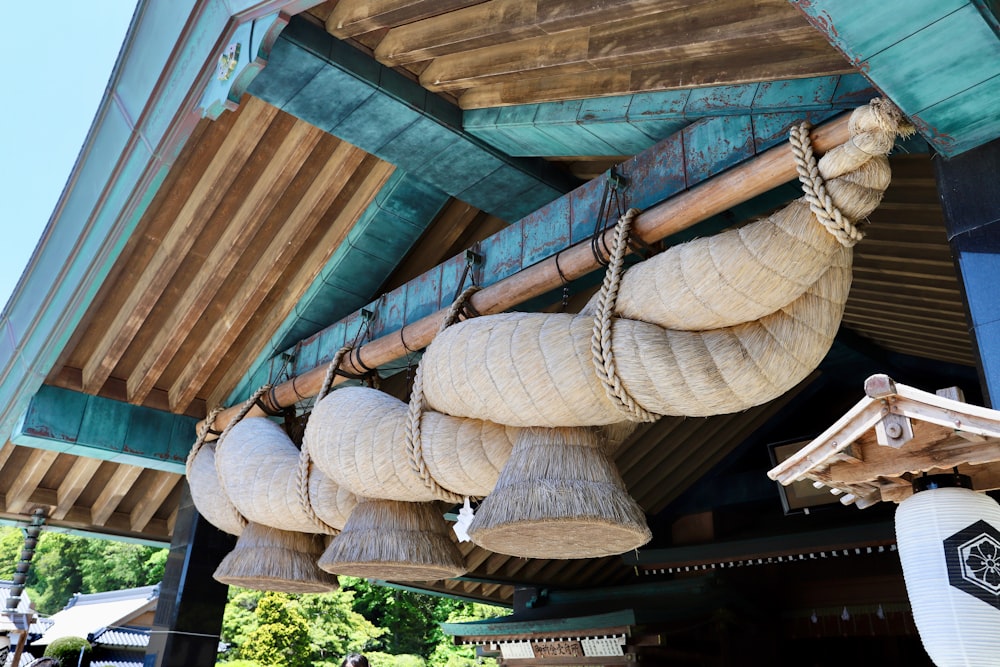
pixel 949 545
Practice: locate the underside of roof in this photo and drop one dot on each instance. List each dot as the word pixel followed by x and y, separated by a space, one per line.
pixel 331 191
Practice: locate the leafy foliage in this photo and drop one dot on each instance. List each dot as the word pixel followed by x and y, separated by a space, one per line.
pixel 393 628
pixel 67 650
pixel 67 564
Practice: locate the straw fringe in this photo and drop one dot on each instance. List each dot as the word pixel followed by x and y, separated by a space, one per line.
pixel 269 559
pixel 559 496
pixel 397 541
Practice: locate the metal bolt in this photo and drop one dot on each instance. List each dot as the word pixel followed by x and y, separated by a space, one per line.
pixel 893 430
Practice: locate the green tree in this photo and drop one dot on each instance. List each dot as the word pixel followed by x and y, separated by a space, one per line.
pixel 68 564
pixel 281 638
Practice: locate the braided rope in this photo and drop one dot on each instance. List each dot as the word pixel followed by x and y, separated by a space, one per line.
pixel 304 469
pixel 814 189
pixel 600 342
pixel 200 440
pixel 415 414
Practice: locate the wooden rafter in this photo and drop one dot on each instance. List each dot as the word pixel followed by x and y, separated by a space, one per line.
pixel 112 495
pixel 258 202
pixel 73 484
pixel 154 494
pixel 27 479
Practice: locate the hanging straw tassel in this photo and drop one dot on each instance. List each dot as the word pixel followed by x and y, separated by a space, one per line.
pixel 268 559
pixel 559 496
pixel 396 541
pixel 207 493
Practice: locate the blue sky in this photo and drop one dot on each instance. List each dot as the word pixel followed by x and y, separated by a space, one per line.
pixel 55 67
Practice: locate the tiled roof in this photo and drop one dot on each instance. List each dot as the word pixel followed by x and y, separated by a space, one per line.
pixel 24 606
pixel 129 637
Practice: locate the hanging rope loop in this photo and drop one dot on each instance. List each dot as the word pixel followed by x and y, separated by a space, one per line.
pixel 304 470
pixel 202 435
pixel 414 416
pixel 814 189
pixel 601 340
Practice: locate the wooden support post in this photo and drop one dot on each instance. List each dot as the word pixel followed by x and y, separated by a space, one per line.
pixel 742 183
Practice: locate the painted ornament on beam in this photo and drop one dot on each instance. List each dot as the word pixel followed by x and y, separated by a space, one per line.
pixel 228 61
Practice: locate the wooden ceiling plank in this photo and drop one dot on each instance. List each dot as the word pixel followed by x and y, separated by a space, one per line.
pixel 73 484
pixel 730 69
pixel 356 17
pixel 171 520
pixel 233 243
pixel 500 21
pixel 115 491
pixel 154 494
pixel 220 174
pixel 564 53
pixel 26 479
pixel 670 38
pixel 337 227
pixel 473 27
pixel 314 205
pixel 476 557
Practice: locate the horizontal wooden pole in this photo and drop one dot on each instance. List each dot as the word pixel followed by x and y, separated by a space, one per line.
pixel 735 186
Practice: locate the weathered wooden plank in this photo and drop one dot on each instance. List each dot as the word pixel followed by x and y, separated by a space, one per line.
pixel 502 21
pixel 5 452
pixel 112 495
pixel 73 485
pixel 27 479
pixel 355 17
pixel 338 209
pixel 203 199
pixel 153 496
pixel 257 204
pixel 734 68
pixel 284 246
pixel 668 39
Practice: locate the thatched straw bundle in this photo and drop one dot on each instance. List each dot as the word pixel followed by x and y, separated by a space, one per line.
pixel 356 436
pixel 208 495
pixel 559 496
pixel 536 369
pixel 331 502
pixel 258 465
pixel 269 559
pixel 393 540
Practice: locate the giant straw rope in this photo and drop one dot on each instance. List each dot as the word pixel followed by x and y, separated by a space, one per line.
pixel 712 326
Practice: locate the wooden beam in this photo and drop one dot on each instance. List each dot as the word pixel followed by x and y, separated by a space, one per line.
pixel 118 487
pixel 355 17
pixel 672 39
pixel 5 452
pixel 282 167
pixel 503 21
pixel 736 185
pixel 154 494
pixel 73 484
pixel 751 66
pixel 220 174
pixel 27 479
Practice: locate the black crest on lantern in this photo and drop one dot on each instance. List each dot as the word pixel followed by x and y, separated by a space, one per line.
pixel 973 559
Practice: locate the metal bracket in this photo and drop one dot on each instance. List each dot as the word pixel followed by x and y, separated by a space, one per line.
pixel 473 258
